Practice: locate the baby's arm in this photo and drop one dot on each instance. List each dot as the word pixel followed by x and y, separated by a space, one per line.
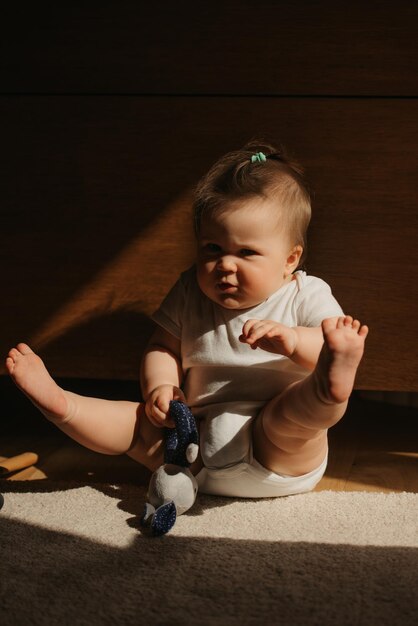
pixel 161 376
pixel 299 343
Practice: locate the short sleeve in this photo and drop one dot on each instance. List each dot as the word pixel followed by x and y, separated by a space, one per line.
pixel 315 302
pixel 169 314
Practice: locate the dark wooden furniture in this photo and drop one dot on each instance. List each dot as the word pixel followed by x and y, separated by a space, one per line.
pixel 111 114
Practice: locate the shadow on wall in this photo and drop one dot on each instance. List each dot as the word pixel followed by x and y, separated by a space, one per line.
pixel 96 212
pixel 112 308
pixel 109 345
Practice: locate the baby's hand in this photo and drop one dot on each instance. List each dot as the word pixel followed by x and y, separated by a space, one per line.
pixel 270 336
pixel 157 405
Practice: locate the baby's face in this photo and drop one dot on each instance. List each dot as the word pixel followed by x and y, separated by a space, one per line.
pixel 244 256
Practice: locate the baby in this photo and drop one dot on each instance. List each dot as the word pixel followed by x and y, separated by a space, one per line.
pixel 260 351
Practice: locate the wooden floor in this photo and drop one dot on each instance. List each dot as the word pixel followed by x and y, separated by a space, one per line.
pixel 374 448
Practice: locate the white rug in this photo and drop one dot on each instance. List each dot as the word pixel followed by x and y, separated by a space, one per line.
pixel 73 554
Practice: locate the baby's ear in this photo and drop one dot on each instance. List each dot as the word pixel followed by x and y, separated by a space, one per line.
pixel 293 259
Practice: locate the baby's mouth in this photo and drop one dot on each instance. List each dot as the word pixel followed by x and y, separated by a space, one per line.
pixel 227 287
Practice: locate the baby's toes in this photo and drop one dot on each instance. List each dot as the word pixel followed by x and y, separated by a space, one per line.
pixel 340 322
pixel 24 348
pixel 14 354
pixel 10 364
pixel 364 331
pixel 328 325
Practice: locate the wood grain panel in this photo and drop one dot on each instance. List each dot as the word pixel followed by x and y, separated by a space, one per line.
pixel 229 47
pixel 95 217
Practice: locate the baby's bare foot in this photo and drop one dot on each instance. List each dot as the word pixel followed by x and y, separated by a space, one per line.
pixel 340 357
pixel 31 376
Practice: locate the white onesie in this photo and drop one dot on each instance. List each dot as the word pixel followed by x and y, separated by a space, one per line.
pixel 226 383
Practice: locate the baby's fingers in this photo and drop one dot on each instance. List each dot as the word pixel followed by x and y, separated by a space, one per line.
pixel 160 406
pixel 247 328
pixel 157 409
pixel 257 331
pixel 156 415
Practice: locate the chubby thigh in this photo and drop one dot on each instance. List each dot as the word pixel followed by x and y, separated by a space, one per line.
pixel 234 432
pixel 283 445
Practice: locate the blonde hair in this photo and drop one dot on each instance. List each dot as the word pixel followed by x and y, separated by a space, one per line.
pixel 235 177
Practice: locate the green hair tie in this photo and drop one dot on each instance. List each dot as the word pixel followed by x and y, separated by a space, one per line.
pixel 258 157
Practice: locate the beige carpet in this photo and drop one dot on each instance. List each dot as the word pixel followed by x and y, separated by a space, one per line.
pixel 73 554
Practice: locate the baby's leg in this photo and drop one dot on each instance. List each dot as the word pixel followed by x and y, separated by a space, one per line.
pixel 106 426
pixel 290 434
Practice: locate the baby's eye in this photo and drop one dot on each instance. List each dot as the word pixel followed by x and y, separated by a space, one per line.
pixel 212 248
pixel 247 252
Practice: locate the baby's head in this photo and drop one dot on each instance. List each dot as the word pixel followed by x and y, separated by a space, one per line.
pixel 251 212
pixel 242 175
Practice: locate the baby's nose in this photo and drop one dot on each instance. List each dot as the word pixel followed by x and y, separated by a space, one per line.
pixel 227 263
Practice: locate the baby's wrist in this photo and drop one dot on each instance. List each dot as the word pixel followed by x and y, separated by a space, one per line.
pixel 161 386
pixel 148 395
